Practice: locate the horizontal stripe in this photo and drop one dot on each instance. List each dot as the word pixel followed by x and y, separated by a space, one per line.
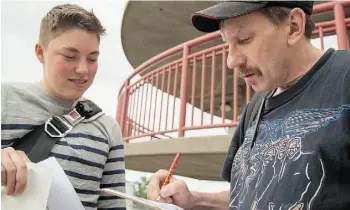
pixel 86 136
pixel 118 184
pixel 87 192
pixel 116 147
pixel 112 160
pixel 17 126
pixel 78 160
pixel 118 208
pixel 113 172
pixel 81 176
pixel 103 198
pixel 89 204
pixel 82 147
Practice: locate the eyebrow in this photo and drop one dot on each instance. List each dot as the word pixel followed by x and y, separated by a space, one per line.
pixel 72 49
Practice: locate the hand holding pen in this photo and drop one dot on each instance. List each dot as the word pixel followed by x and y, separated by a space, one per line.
pixel 170 172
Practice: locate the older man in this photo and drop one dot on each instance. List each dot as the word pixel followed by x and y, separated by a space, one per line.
pixel 295 152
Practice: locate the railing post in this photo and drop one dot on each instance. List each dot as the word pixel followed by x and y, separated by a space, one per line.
pixel 183 90
pixel 340 26
pixel 124 111
pixel 117 114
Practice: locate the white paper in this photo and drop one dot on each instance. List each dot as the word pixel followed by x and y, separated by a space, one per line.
pixel 48 187
pixel 163 206
pixel 36 193
pixel 62 194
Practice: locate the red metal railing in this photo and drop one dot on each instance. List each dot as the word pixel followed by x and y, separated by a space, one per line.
pixel 150 106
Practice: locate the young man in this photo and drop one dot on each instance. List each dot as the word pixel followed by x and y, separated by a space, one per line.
pixel 92 153
pixel 296 153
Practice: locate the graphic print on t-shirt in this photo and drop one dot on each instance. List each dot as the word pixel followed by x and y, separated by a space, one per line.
pixel 279 146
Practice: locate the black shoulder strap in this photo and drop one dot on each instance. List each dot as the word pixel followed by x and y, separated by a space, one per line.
pixel 252 110
pixel 37 144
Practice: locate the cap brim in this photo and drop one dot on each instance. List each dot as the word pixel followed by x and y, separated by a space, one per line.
pixel 207 20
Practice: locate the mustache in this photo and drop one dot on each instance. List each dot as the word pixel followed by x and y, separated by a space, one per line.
pixel 246 71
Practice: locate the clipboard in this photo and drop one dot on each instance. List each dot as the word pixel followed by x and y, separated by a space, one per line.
pixel 144 202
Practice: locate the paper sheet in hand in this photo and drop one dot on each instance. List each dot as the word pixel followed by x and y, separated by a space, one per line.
pixel 36 193
pixel 48 186
pixel 62 194
pixel 141 201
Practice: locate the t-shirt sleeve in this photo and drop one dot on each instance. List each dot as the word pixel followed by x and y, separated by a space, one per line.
pixel 113 176
pixel 234 146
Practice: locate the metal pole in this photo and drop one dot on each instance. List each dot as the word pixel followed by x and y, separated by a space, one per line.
pixel 183 89
pixel 342 36
pixel 125 107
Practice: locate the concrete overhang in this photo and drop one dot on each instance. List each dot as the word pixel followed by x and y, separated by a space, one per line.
pixel 151 27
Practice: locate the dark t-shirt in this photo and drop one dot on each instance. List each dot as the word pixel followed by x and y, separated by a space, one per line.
pixel 301 156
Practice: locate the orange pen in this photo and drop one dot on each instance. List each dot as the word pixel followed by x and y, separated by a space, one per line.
pixel 170 172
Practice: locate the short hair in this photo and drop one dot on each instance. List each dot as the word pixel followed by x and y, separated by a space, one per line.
pixel 68 16
pixel 278 14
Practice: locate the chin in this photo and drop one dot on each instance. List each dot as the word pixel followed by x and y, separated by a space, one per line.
pixel 259 88
pixel 73 97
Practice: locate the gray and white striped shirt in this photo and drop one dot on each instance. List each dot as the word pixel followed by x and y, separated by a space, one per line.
pixel 92 154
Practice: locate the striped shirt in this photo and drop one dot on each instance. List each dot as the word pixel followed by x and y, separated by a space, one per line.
pixel 92 154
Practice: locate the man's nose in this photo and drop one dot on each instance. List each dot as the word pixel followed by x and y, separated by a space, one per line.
pixel 235 59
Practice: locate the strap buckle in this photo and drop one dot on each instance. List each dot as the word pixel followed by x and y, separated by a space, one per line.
pixel 57 125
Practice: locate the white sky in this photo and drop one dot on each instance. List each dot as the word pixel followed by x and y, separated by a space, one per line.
pixel 20 22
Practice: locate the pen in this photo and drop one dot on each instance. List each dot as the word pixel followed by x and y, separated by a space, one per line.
pixel 170 172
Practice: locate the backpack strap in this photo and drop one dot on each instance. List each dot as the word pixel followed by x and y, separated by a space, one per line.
pixel 37 144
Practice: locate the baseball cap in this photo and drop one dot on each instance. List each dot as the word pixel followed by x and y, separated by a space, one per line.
pixel 207 20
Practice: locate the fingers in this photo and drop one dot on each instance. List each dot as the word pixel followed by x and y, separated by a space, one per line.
pixel 23 156
pixel 155 183
pixel 20 163
pixel 14 170
pixel 10 170
pixel 175 187
pixel 3 176
pixel 166 200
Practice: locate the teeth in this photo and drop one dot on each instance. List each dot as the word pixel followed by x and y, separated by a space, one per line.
pixel 78 81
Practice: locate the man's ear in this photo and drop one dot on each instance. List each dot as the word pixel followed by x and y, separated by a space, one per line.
pixel 296 21
pixel 39 51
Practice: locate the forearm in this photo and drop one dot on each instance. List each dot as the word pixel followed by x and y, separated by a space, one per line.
pixel 210 201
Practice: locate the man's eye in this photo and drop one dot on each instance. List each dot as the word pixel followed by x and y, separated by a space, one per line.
pixel 244 41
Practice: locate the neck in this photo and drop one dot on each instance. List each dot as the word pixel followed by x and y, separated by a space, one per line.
pixel 300 63
pixel 43 84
